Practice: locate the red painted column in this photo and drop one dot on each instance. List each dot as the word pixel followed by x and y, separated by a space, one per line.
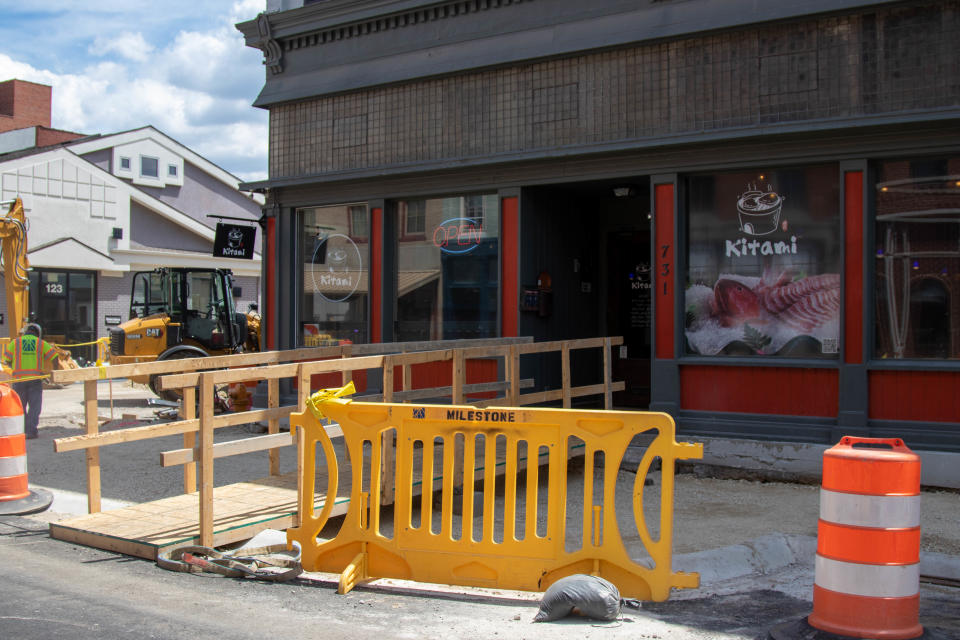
pixel 664 264
pixel 853 267
pixel 376 274
pixel 509 266
pixel 270 315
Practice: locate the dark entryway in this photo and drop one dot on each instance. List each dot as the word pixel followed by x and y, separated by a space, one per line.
pixel 592 241
pixel 63 303
pixel 629 313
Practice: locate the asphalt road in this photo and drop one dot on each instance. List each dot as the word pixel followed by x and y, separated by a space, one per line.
pixel 54 589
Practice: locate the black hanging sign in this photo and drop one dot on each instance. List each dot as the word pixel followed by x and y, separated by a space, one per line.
pixel 234 241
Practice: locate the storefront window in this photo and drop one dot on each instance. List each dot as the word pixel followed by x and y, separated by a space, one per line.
pixel 64 303
pixel 448 257
pixel 335 249
pixel 764 263
pixel 917 311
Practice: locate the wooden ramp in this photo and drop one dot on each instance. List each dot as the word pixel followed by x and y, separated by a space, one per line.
pixel 240 511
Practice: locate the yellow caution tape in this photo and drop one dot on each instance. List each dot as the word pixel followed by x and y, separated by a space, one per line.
pixel 82 344
pixel 326 394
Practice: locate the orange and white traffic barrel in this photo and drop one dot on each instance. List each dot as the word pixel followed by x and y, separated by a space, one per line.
pixel 13 447
pixel 16 497
pixel 867 567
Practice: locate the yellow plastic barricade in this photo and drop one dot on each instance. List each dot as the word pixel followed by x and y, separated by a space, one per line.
pixel 419 549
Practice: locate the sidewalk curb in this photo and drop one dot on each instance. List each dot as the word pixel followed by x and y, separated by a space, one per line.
pixel 773 552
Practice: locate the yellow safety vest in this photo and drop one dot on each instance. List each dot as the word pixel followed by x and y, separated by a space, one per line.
pixel 21 355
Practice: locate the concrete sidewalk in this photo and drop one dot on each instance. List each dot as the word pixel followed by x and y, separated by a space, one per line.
pixel 742 535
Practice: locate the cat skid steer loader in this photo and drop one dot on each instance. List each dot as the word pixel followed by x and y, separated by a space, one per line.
pixel 181 313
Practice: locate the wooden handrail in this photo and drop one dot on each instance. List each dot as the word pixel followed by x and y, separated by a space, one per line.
pixel 396 359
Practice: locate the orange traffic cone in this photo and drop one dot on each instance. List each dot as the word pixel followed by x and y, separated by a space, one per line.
pixel 16 498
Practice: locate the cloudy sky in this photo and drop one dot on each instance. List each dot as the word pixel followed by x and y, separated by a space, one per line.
pixel 115 65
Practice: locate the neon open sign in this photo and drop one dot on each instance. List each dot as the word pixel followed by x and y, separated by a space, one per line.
pixel 458 235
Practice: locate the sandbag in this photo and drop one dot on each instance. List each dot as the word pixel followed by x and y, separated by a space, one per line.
pixel 592 596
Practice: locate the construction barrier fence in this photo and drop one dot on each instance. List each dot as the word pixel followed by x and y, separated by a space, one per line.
pixel 509 533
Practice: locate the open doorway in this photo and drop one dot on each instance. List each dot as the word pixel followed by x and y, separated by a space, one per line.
pixel 629 313
pixel 592 240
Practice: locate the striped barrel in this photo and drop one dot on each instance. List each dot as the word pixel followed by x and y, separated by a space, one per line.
pixel 867 570
pixel 13 447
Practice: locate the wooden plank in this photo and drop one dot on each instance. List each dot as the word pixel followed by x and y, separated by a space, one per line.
pixel 575 392
pixel 513 375
pixel 226 376
pixel 146 432
pixel 93 454
pixel 273 424
pixel 116 544
pixel 387 440
pixel 388 371
pixel 179 380
pixel 565 374
pixel 557 345
pixel 188 407
pixel 459 379
pixel 206 460
pixel 266 358
pixel 232 448
pixel 191 364
pixel 74 443
pixel 442 392
pixel 346 376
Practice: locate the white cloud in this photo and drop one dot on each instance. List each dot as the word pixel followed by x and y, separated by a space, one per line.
pixel 131 46
pixel 195 82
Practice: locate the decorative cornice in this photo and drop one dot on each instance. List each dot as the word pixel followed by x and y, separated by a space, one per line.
pixel 439 11
pixel 272 53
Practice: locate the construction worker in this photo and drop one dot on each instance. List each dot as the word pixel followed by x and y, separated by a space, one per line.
pixel 28 357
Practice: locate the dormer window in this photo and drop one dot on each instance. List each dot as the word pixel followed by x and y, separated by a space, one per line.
pixel 125 163
pixel 149 167
pixel 172 170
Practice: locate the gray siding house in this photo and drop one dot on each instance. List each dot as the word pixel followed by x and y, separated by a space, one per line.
pixel 103 207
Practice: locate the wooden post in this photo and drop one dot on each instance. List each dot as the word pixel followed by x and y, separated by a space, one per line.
pixel 513 375
pixel 273 425
pixel 607 373
pixel 345 376
pixel 565 372
pixel 188 411
pixel 92 420
pixel 303 393
pixel 459 379
pixel 387 442
pixel 388 368
pixel 459 376
pixel 206 460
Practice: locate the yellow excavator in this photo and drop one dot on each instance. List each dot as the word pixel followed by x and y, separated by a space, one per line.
pixel 13 236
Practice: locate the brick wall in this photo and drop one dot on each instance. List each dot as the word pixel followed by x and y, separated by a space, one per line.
pixel 24 104
pixel 882 61
pixel 47 137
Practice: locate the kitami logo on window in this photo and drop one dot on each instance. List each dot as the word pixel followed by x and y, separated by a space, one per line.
pixel 458 235
pixel 759 214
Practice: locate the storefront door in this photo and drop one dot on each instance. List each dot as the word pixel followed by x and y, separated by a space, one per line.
pixel 629 313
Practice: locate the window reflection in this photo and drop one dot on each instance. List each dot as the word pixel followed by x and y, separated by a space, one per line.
pixel 334 245
pixel 447 257
pixel 918 258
